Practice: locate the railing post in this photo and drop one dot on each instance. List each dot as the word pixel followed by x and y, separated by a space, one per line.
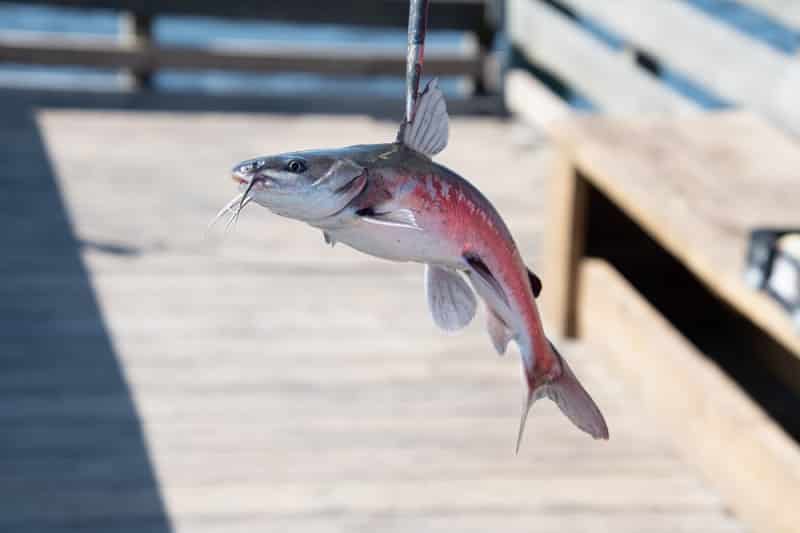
pixel 487 81
pixel 137 33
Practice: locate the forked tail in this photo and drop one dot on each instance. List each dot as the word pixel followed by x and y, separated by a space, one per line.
pixel 573 400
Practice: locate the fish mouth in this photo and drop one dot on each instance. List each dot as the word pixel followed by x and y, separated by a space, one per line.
pixel 239 179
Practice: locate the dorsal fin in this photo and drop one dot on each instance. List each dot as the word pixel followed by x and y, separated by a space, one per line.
pixel 428 131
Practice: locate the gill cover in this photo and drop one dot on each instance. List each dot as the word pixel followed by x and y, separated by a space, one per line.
pixel 335 189
pixel 428 131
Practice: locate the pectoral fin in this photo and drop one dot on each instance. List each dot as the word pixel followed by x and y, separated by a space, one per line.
pixel 400 218
pixel 450 298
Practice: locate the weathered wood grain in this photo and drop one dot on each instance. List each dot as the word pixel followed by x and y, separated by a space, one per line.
pixel 754 464
pixel 530 100
pixel 564 244
pixel 732 65
pixel 607 78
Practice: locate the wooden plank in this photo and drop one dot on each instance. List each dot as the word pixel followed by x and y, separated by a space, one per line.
pixel 753 463
pixel 784 11
pixel 699 186
pixel 529 99
pixel 720 58
pixel 445 14
pixel 564 244
pixel 93 52
pixel 652 520
pixel 369 496
pixel 607 78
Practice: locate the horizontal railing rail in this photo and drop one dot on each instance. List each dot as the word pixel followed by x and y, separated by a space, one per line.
pixel 137 52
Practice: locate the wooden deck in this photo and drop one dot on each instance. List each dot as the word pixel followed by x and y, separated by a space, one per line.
pixel 153 381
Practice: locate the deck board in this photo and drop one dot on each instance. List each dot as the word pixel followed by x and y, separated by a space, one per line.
pixel 280 383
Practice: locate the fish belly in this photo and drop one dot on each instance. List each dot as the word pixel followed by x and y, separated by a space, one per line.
pixel 399 244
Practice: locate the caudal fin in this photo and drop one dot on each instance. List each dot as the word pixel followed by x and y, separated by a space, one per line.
pixel 573 400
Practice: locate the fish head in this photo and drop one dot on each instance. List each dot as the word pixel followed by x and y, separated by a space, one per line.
pixel 306 186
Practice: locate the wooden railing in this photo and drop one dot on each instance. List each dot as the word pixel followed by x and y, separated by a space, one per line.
pixel 136 51
pixel 734 68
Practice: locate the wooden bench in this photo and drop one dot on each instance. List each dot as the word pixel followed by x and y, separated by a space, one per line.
pixel 623 74
pixel 648 226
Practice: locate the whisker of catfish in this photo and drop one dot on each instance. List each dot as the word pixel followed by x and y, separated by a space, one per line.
pixel 236 212
pixel 228 207
pixel 231 222
pixel 227 210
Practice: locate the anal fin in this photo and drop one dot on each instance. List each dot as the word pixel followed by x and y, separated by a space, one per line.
pixel 498 331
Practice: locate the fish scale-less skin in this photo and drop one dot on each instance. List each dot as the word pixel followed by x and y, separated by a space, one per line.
pixel 456 221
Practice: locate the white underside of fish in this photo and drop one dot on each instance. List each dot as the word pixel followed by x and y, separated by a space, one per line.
pixel 393 241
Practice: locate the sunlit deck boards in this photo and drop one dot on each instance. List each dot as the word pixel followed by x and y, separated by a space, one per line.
pixel 281 385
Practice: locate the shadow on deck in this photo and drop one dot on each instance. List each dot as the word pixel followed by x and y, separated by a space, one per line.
pixel 72 441
pixel 73 453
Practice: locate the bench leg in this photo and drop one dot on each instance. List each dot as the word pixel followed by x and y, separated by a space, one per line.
pixel 565 240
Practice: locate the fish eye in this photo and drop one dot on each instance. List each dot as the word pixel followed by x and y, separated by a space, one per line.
pixel 296 166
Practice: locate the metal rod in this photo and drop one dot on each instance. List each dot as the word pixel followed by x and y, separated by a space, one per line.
pixel 417 26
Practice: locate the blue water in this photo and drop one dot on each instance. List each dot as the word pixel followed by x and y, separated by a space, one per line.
pixel 195 31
